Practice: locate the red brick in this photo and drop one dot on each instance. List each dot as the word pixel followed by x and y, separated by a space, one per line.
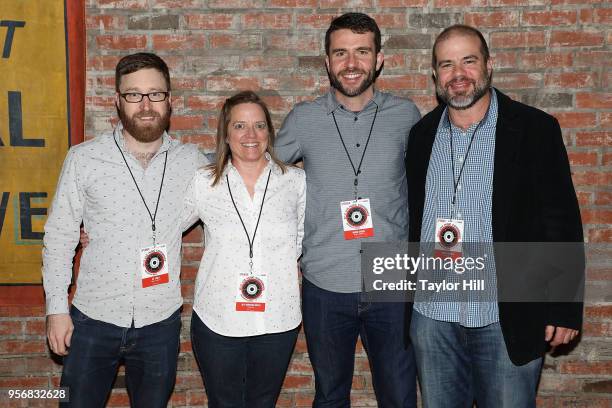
pixel 603 15
pixel 293 3
pixel 266 62
pixel 22 310
pixel 192 253
pixel 35 327
pixel 579 2
pixel 195 235
pixel 402 3
pixel 597 329
pixel 211 21
pixel 545 59
pixel 185 122
pixel 504 60
pixel 594 100
pixel 494 19
pixel 325 4
pixel 583 158
pixel 589 178
pixel 236 41
pixel 188 273
pixel 224 83
pixel 267 21
pixel 106 22
pixel 592 59
pixel 22 346
pixel 205 102
pixel 10 328
pixel 315 20
pixel 596 216
pixel 177 42
pixel 196 398
pixel 607 159
pixel 576 119
pixel 394 61
pixel 390 20
pixel 603 198
pixel 118 398
pixel 176 4
pixel 575 38
pixel 518 40
pixel 585 367
pixel 518 81
pixel 122 4
pixel 458 3
pixel 593 138
pixel 600 235
pixel 121 42
pixel 297 382
pixel 204 141
pixel 584 198
pixel 598 312
pixel 549 18
pixel 570 80
pixel 303 42
pixel 186 83
pixel 411 81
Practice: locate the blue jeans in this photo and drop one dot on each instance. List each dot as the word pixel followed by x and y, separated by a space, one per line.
pixel 97 348
pixel 332 323
pixel 458 365
pixel 246 372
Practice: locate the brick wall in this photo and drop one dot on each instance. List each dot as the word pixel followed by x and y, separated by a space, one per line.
pixel 553 54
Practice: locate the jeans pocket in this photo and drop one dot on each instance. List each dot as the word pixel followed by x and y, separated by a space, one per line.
pixel 174 317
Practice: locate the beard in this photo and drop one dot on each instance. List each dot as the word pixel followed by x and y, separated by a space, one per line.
pixel 464 100
pixel 147 132
pixel 336 84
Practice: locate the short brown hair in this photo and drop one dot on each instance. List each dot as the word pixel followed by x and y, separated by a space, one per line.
pixel 142 60
pixel 459 29
pixel 222 151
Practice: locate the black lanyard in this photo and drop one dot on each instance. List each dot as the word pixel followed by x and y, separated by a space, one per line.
pixel 154 215
pixel 251 241
pixel 357 171
pixel 450 129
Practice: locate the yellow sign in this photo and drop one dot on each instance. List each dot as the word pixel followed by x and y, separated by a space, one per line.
pixel 34 136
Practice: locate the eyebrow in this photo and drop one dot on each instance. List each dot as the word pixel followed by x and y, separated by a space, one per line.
pixel 471 56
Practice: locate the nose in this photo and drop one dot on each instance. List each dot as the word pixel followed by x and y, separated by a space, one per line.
pixel 146 102
pixel 351 60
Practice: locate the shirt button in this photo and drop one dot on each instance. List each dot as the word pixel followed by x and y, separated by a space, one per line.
pixel 355 119
pixel 358 145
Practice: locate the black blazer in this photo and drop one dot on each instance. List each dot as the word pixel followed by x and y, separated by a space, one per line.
pixel 533 201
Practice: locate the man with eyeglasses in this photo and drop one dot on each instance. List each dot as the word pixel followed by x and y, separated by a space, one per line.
pixel 126 187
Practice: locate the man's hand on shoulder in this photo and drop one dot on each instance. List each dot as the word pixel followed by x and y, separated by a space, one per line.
pixel 59 333
pixel 556 335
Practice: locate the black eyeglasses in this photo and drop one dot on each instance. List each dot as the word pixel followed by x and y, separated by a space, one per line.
pixel 135 97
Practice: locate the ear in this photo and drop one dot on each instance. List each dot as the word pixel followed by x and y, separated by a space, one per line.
pixel 380 58
pixel 117 97
pixel 327 62
pixel 170 99
pixel 490 66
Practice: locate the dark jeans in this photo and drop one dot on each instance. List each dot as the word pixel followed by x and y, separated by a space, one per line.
pixel 246 372
pixel 458 365
pixel 332 323
pixel 150 354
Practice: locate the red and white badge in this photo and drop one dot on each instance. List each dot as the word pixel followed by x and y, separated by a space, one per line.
pixel 153 265
pixel 252 291
pixel 448 238
pixel 357 219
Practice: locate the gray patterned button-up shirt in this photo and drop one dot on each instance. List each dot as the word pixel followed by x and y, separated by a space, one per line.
pixel 95 187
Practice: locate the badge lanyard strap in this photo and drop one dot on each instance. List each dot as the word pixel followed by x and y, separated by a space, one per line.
pixel 154 215
pixel 358 170
pixel 251 242
pixel 456 182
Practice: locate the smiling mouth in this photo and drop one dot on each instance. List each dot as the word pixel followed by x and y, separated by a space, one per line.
pixel 249 145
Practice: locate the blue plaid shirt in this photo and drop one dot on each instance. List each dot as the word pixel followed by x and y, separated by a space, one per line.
pixel 473 206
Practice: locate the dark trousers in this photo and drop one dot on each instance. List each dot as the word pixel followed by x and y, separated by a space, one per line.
pixel 97 348
pixel 332 323
pixel 246 372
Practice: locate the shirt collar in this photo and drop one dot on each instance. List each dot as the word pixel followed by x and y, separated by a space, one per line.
pixel 331 103
pixel 271 165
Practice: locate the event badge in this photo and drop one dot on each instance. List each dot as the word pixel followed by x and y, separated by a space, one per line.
pixel 357 219
pixel 448 238
pixel 153 265
pixel 251 296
